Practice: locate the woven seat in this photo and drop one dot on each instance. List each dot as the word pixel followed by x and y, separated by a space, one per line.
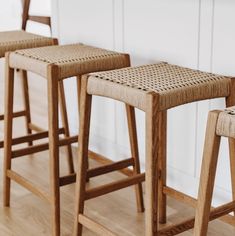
pixel 226 123
pixel 75 59
pixel 15 40
pixel 175 85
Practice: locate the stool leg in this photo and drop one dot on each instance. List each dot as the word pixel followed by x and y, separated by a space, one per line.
pixel 53 122
pixel 232 166
pixel 207 178
pixel 9 97
pixel 135 154
pixel 64 116
pixel 85 113
pixel 152 150
pixel 162 198
pixel 230 101
pixel 79 91
pixel 26 102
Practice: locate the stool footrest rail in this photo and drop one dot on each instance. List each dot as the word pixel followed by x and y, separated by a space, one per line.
pixel 28 185
pixel 15 114
pixel 115 166
pixel 30 137
pixel 42 147
pixel 111 187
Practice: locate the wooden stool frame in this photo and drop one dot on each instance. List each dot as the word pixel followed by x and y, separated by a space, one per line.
pixel 156 189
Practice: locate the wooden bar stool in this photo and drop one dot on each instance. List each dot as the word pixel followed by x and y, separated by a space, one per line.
pixel 219 124
pixel 57 63
pixel 15 40
pixel 153 89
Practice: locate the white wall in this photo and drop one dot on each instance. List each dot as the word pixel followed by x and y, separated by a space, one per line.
pixel 194 33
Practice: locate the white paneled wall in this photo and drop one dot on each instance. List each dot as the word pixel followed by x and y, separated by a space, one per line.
pixel 194 33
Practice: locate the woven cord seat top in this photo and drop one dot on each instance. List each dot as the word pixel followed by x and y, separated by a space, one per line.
pixel 226 123
pixel 15 40
pixel 74 59
pixel 173 84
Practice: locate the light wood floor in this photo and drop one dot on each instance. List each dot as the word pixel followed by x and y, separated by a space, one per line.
pixel 29 215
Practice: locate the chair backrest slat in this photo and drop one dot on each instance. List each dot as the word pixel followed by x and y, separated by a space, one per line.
pixel 25 16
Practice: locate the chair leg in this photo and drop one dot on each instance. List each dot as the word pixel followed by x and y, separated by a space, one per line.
pixel 230 101
pixel 64 116
pixel 135 154
pixel 152 151
pixel 79 88
pixel 85 113
pixel 53 122
pixel 207 178
pixel 162 198
pixel 232 166
pixel 26 102
pixel 9 98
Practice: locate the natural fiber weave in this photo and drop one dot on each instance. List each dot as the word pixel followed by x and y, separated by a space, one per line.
pixel 226 123
pixel 15 40
pixel 75 59
pixel 173 84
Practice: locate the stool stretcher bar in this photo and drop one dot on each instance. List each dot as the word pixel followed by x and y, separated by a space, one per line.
pixel 189 224
pixel 115 166
pixel 15 114
pixel 114 186
pixel 95 227
pixel 42 147
pixel 30 137
pixel 229 219
pixel 35 128
pixel 28 185
pixel 105 161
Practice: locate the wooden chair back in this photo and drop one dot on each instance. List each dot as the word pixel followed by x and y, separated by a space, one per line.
pixel 25 16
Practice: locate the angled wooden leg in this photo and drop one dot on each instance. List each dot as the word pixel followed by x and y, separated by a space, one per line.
pixel 84 127
pixel 79 91
pixel 232 166
pixel 26 102
pixel 135 154
pixel 230 101
pixel 162 198
pixel 53 122
pixel 79 88
pixel 207 178
pixel 152 150
pixel 8 120
pixel 64 117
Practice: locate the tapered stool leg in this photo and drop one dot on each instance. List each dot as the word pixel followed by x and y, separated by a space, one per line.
pixel 54 147
pixel 207 179
pixel 152 151
pixel 230 101
pixel 26 100
pixel 8 120
pixel 85 113
pixel 135 154
pixel 162 158
pixel 64 116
